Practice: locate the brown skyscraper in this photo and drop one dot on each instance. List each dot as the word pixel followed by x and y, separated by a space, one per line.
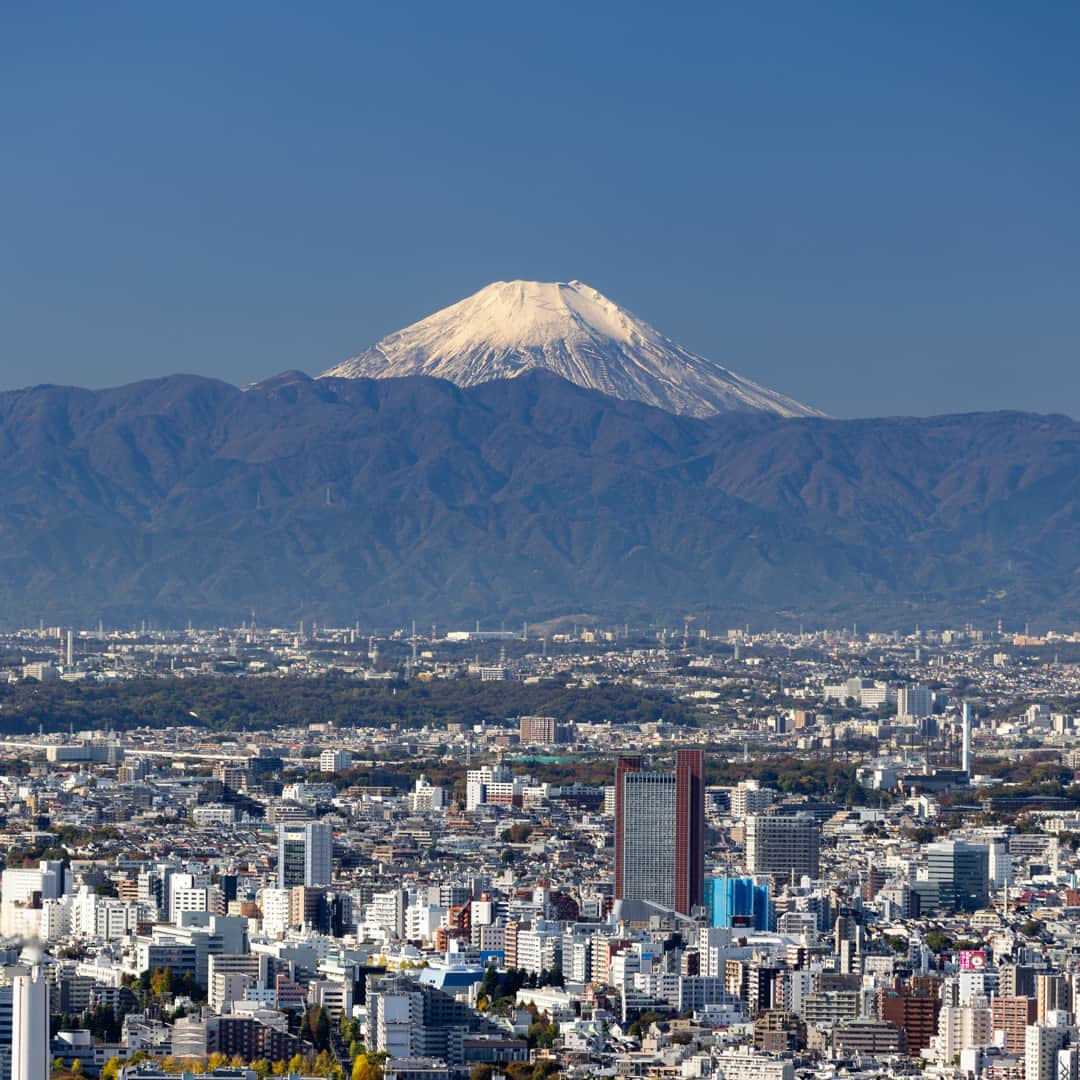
pixel 660 832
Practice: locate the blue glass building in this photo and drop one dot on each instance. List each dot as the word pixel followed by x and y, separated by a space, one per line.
pixel 738 903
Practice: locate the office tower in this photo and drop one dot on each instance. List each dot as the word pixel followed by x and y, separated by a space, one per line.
pixel 660 832
pixel 783 847
pixel 957 877
pixel 914 702
pixel 305 854
pixel 30 1027
pixel 689 830
pixel 1000 868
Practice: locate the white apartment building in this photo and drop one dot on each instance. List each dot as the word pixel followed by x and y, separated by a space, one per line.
pixel 744 1064
pixel 387 910
pixel 214 814
pixel 274 904
pixel 539 949
pixel 426 796
pixel 332 761
pixel 749 797
pixel 961 1027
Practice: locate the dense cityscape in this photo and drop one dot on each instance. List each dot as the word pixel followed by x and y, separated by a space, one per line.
pixel 540 542
pixel 578 850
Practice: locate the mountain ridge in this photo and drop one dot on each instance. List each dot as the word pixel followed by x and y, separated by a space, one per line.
pixel 389 499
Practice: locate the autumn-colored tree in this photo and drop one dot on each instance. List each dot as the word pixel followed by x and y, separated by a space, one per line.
pixel 160 982
pixel 366 1069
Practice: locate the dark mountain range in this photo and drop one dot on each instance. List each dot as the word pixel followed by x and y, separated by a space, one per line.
pixel 384 500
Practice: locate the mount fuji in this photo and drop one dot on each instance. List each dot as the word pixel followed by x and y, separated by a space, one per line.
pixel 570 329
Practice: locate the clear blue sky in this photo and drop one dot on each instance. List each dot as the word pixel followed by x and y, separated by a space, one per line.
pixel 874 207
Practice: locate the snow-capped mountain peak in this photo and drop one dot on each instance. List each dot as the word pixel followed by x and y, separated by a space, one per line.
pixel 573 330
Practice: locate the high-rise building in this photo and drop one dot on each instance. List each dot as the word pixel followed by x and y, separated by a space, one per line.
pixel 660 832
pixel 333 761
pixel 407 1018
pixel 494 784
pixel 749 797
pixel 305 854
pixel 30 1027
pixel 916 1013
pixel 1052 994
pixel 1041 1045
pixel 783 846
pixel 1011 1016
pixel 1017 980
pixel 957 877
pixel 914 702
pixel 961 1027
pixel 542 730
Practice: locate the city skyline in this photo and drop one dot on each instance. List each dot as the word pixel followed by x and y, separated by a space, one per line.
pixel 349 850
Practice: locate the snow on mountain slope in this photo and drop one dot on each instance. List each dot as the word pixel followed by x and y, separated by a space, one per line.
pixel 571 329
